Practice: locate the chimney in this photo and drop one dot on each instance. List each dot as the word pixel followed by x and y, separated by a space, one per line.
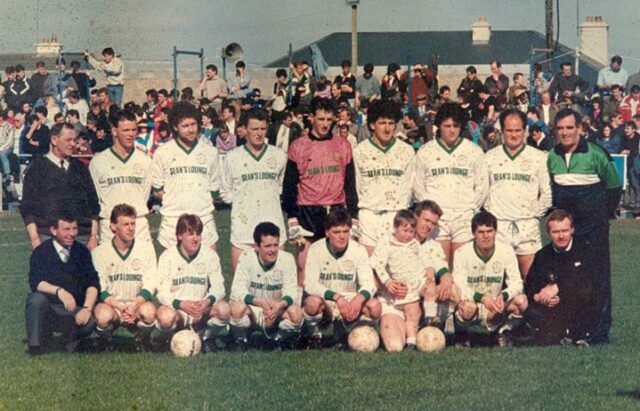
pixel 48 47
pixel 480 31
pixel 594 39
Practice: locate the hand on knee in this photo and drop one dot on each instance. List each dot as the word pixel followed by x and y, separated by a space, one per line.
pixel 467 310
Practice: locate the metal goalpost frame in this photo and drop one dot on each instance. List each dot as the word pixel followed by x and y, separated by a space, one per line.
pixel 175 55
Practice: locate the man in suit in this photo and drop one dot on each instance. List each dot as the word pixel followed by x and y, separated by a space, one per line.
pixel 64 289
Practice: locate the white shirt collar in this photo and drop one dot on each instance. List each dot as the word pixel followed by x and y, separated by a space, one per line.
pixel 55 160
pixel 63 253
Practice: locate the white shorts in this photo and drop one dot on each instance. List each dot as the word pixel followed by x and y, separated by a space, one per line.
pixel 521 235
pixel 456 228
pixel 167 234
pixel 374 226
pixel 389 305
pixel 142 230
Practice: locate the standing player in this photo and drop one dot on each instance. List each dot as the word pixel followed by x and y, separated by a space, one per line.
pixel 191 288
pixel 127 272
pixel 338 279
pixel 450 170
pixel 519 189
pixel 252 180
pixel 185 176
pixel 384 174
pixel 264 293
pixel 122 174
pixel 319 176
pixel 481 269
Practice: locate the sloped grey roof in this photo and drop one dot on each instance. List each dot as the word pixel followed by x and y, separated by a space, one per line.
pixel 452 47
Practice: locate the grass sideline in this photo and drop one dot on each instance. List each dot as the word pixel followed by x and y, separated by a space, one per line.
pixel 603 377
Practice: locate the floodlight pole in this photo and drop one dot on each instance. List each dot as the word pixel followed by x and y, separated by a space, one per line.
pixel 354 35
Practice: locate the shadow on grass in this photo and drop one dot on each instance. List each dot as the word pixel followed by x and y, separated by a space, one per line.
pixel 631 394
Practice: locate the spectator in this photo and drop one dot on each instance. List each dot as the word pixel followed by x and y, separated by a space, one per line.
pixel 84 81
pixel 367 85
pixel 113 68
pixel 497 83
pixel 607 140
pixel 240 84
pixel 38 79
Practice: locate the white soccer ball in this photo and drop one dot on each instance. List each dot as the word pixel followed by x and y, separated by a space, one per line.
pixel 430 339
pixel 364 339
pixel 186 343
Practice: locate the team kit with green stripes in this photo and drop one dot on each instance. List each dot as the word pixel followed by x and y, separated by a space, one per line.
pixel 465 278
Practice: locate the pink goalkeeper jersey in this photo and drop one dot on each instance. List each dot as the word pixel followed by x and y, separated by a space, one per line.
pixel 321 166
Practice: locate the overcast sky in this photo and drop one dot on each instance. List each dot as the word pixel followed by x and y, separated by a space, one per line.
pixel 148 29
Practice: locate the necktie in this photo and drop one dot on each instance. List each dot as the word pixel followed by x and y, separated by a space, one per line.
pixel 62 164
pixel 65 254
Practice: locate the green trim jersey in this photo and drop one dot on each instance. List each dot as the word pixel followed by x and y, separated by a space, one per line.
pixel 433 254
pixel 519 186
pixel 121 180
pixel 580 180
pixel 384 176
pixel 477 275
pixel 126 276
pixel 188 177
pixel 455 178
pixel 189 278
pixel 253 185
pixel 273 283
pixel 346 273
pixel 403 262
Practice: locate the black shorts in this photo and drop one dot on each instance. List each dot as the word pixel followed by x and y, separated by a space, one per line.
pixel 311 218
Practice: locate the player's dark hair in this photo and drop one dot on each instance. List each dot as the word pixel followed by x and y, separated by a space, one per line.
pixel 189 223
pixel 66 214
pixel 183 110
pixel 515 113
pixel 484 218
pixel 40 64
pixel 429 205
pixel 256 114
pixel 108 51
pixel 123 115
pixel 265 229
pixel 631 124
pixel 337 217
pixel 559 215
pixel 443 89
pixel 321 104
pixel 230 108
pixel 471 70
pixel 384 109
pixel 73 113
pixel 404 217
pixel 616 59
pixel 212 67
pixel 122 210
pixel 164 92
pixel 568 112
pixel 452 111
pixel 345 63
pixel 281 73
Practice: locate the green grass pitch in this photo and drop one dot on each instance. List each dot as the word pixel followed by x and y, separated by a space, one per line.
pixel 550 378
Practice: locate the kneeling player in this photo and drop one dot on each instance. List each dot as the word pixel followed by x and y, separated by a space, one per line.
pixel 192 288
pixel 127 272
pixel 338 279
pixel 264 293
pixel 402 269
pixel 480 270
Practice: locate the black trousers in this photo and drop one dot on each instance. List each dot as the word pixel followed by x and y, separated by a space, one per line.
pixel 45 313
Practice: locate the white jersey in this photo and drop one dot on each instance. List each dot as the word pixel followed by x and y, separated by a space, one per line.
pixel 477 276
pixel 400 261
pixel 187 177
pixel 384 177
pixel 347 273
pixel 519 186
pixel 121 180
pixel 253 185
pixel 434 257
pixel 254 280
pixel 454 178
pixel 126 276
pixel 189 278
